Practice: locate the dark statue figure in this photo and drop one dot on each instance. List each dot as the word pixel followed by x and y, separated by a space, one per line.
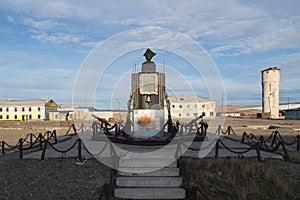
pixel 149 54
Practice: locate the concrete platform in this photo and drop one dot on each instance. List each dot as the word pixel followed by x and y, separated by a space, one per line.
pixel 135 181
pixel 150 193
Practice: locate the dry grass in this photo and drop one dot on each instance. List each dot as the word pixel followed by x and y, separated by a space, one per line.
pixel 294 156
pixel 231 178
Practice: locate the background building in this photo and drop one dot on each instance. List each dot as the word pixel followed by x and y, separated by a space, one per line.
pixel 270 92
pixel 24 110
pixel 186 108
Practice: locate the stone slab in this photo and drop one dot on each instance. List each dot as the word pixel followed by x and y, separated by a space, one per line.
pixel 134 181
pixel 148 162
pixel 167 171
pixel 150 193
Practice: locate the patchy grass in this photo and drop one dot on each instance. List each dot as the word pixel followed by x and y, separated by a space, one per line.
pixel 294 157
pixel 232 178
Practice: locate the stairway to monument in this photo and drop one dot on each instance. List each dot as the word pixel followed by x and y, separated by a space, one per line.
pixel 156 183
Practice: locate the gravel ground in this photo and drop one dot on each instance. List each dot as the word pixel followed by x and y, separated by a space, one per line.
pixel 289 170
pixel 62 178
pixel 59 178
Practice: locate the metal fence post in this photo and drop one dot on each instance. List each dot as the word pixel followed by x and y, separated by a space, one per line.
pixel 243 138
pixel 44 151
pixel 79 149
pixel 41 141
pixel 217 149
pixel 21 148
pixel 54 136
pixel 219 130
pixel 30 137
pixel 274 139
pixel 3 147
pixel 228 130
pixel 73 125
pixel 258 152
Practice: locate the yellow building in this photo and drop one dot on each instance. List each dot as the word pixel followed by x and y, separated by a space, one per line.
pixel 24 110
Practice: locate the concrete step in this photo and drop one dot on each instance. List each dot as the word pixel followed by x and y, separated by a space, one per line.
pixel 150 162
pixel 168 171
pixel 134 181
pixel 150 193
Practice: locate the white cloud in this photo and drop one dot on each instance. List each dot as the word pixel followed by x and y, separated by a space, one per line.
pixel 57 38
pixel 42 25
pixel 284 38
pixel 239 27
pixel 10 19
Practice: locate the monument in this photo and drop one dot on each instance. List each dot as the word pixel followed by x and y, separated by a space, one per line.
pixel 148 97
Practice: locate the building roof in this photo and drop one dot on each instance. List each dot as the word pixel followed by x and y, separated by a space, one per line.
pixel 292 109
pixel 271 68
pixel 188 99
pixel 67 106
pixel 41 102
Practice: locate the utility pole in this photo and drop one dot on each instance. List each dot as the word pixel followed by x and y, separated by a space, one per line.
pixel 223 105
pixel 118 102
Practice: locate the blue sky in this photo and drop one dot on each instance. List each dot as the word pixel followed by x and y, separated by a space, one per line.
pixel 43 43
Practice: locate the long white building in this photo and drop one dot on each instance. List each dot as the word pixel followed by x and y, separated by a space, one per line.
pixel 24 110
pixel 186 108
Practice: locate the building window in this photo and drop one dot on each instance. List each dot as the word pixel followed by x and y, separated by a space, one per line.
pixel 173 106
pixel 188 114
pixel 180 106
pixel 195 105
pixel 179 114
pixel 29 109
pixel 30 116
pixel 23 109
pixel 0 116
pixel 0 109
pixel 7 116
pixel 16 116
pixel 56 116
pixel 16 109
pixel 7 109
pixel 211 114
pixel 188 106
pixel 39 108
pixel 39 116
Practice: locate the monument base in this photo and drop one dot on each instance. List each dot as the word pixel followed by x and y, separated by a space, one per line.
pixel 148 122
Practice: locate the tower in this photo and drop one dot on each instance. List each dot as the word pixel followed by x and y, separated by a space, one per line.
pixel 270 92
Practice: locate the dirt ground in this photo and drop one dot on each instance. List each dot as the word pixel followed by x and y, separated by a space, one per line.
pixel 12 131
pixel 62 178
pixel 59 178
pixel 262 126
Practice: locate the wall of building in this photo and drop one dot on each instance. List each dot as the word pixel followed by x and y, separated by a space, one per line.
pixel 188 108
pixel 270 93
pixel 292 114
pixel 22 113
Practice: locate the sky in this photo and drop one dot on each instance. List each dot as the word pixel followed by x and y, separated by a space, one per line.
pixel 43 44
